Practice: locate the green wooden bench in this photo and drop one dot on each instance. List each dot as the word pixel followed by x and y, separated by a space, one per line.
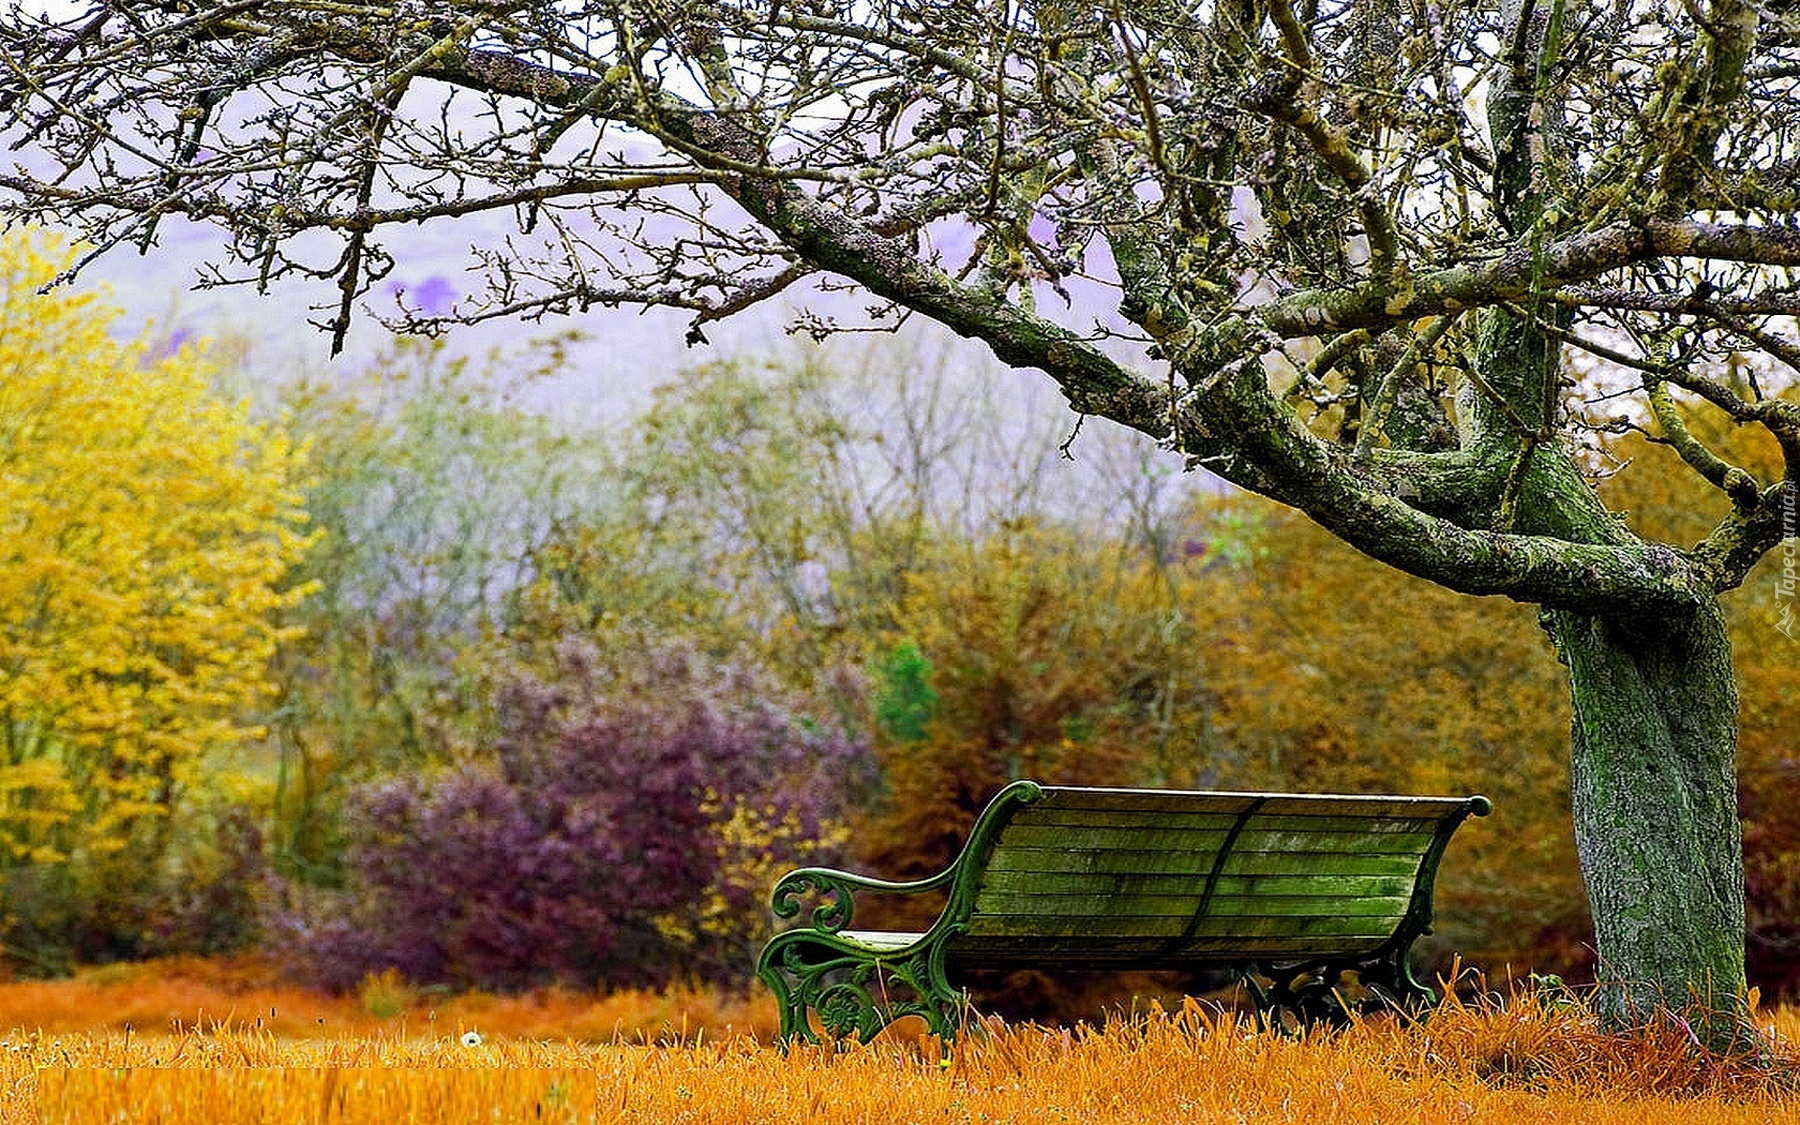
pixel 1288 891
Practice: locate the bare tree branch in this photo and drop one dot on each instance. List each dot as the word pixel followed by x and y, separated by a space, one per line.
pixel 1243 179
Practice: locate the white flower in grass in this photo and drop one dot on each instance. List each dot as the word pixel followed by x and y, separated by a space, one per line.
pixel 471 1039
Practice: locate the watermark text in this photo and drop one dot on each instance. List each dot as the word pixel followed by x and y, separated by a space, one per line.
pixel 1790 566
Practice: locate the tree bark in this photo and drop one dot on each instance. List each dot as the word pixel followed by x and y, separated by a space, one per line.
pixel 1654 788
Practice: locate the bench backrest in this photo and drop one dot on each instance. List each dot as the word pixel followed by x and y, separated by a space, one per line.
pixel 1116 877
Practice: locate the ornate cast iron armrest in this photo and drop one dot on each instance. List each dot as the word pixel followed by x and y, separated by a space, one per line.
pixel 837 887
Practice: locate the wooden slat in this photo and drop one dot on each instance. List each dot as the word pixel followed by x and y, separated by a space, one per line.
pixel 1425 808
pixel 1052 951
pixel 1263 821
pixel 1147 861
pixel 1307 906
pixel 1100 906
pixel 1088 882
pixel 884 940
pixel 1303 804
pixel 1254 839
pixel 1251 935
pixel 1097 929
pixel 1236 929
pixel 1149 953
pixel 1321 863
pixel 1146 799
pixel 1100 929
pixel 1331 886
pixel 1309 884
pixel 1123 818
pixel 1105 906
pixel 1155 862
pixel 1110 837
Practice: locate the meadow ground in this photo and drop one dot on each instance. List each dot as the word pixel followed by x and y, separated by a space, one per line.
pixel 200 1042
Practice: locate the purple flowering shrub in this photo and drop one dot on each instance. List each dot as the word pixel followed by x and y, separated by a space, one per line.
pixel 606 841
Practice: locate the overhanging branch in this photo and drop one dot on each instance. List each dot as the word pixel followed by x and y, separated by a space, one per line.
pixel 1581 257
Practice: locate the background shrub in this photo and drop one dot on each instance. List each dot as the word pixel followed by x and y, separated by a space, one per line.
pixel 619 833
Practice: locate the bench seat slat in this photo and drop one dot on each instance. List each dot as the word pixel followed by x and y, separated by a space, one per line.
pixel 1083 856
pixel 1255 838
pixel 1259 834
pixel 1004 952
pixel 1148 800
pixel 1321 863
pixel 1435 808
pixel 1085 819
pixel 1197 820
pixel 1112 836
pixel 884 940
pixel 1140 905
pixel 1398 825
pixel 1103 930
pixel 1145 861
pixel 1426 808
pixel 1324 885
pixel 1152 862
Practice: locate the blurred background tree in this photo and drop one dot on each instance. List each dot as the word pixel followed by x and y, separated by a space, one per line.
pixel 146 527
pixel 433 490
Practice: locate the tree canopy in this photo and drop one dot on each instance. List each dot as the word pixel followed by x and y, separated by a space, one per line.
pixel 1390 262
pixel 1248 176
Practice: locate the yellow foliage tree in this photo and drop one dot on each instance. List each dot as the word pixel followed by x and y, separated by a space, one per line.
pixel 145 526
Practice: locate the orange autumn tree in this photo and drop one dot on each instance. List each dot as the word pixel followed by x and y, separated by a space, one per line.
pixel 145 526
pixel 1033 650
pixel 1334 673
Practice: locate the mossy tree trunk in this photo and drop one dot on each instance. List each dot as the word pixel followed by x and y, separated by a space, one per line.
pixel 1654 792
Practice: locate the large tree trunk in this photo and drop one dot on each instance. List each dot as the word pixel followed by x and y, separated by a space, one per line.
pixel 1654 789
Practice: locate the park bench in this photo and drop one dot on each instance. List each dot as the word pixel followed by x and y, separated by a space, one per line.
pixel 1289 892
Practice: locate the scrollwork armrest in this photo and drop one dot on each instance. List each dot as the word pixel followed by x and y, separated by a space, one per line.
pixel 838 888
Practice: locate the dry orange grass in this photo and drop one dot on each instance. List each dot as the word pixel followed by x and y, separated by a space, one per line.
pixel 178 993
pixel 1523 1062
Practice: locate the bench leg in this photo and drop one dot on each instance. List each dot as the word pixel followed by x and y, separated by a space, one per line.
pixel 1307 994
pixel 1391 977
pixel 1315 992
pixel 854 991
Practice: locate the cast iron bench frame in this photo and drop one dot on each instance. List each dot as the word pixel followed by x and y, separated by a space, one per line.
pixel 1287 891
